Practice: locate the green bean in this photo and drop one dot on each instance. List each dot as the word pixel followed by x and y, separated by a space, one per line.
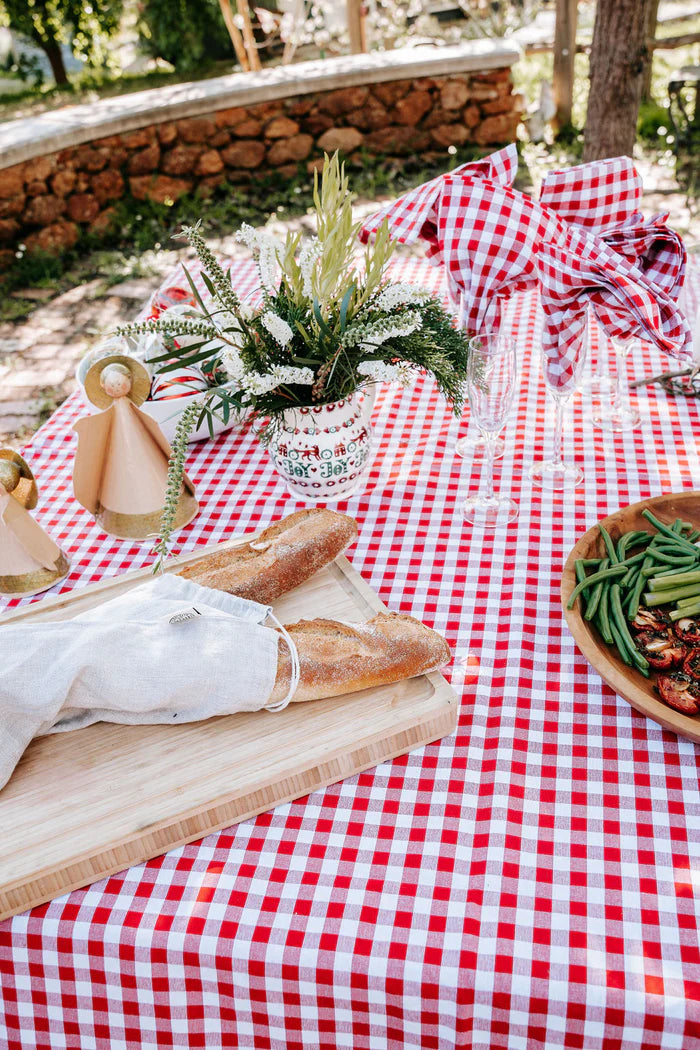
pixel 579 570
pixel 603 618
pixel 593 599
pixel 609 545
pixel 640 536
pixel 655 572
pixel 630 579
pixel 589 563
pixel 617 620
pixel 680 540
pixel 671 548
pixel 634 559
pixel 596 577
pixel 619 644
pixel 677 527
pixel 693 536
pixel 633 607
pixel 622 545
pixel 672 559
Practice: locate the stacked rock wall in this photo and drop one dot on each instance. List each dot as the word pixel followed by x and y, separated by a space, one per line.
pixel 47 201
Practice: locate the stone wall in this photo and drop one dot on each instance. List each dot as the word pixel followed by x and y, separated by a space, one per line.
pixel 46 202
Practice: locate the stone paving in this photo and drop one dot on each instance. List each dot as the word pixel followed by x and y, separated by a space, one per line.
pixel 39 354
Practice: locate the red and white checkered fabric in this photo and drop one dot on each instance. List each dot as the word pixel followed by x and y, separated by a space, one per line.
pixel 582 269
pixel 604 198
pixel 531 881
pixel 654 248
pixel 488 236
pixel 415 214
pixel 599 196
pixel 497 241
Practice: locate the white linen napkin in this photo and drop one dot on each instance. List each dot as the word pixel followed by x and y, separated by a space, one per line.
pixel 168 651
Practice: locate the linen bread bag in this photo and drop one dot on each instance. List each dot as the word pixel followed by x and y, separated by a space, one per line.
pixel 172 650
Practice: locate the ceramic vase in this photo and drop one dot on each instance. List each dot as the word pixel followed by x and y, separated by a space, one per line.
pixel 323 451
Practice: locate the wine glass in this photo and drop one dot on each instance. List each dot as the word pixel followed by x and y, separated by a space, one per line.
pixel 491 383
pixel 618 414
pixel 554 473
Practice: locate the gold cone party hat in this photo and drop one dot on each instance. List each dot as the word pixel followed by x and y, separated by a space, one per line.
pixel 30 561
pixel 121 466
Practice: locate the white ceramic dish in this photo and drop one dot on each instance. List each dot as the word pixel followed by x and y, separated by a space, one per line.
pixel 167 412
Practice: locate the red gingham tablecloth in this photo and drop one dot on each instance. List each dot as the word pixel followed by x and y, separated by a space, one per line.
pixel 530 882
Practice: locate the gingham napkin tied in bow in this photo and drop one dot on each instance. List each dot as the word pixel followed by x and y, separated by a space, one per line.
pixel 599 196
pixel 579 269
pixel 415 214
pixel 489 234
pixel 495 241
pixel 656 250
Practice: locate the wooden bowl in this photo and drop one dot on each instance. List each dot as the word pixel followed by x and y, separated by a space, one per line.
pixel 627 682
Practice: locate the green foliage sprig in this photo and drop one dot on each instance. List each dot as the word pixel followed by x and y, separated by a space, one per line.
pixel 327 325
pixel 176 471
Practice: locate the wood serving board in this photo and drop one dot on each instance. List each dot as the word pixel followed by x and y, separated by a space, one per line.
pixel 626 681
pixel 85 804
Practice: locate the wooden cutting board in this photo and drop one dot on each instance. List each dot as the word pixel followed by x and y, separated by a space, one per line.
pixel 83 805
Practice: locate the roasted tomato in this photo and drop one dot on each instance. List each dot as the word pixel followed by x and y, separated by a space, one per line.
pixel 691 665
pixel 660 649
pixel 679 692
pixel 677 653
pixel 651 620
pixel 688 630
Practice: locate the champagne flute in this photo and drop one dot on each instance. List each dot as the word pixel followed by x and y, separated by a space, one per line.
pixel 619 414
pixel 473 446
pixel 597 380
pixel 491 383
pixel 554 473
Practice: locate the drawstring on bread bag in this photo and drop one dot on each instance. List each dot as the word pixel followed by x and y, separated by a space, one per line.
pixel 294 655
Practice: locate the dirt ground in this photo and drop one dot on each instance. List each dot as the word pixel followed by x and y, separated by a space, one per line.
pixel 39 353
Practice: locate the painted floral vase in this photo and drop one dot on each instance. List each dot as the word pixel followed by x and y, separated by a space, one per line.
pixel 323 451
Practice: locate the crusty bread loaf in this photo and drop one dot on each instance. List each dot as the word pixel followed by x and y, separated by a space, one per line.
pixel 340 658
pixel 280 558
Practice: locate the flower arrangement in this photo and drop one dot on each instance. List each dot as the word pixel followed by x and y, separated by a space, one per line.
pixel 321 329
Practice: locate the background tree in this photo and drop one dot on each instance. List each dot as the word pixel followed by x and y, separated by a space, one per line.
pixel 618 56
pixel 652 19
pixel 188 35
pixel 52 23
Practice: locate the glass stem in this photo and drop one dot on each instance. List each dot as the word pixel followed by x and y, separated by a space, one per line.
pixel 557 459
pixel 489 451
pixel 620 401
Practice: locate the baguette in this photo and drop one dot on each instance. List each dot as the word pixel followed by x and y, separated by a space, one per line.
pixel 284 555
pixel 338 658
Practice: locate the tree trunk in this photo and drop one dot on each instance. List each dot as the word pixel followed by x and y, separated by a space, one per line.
pixel 52 50
pixel 652 17
pixel 617 71
pixel 564 57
